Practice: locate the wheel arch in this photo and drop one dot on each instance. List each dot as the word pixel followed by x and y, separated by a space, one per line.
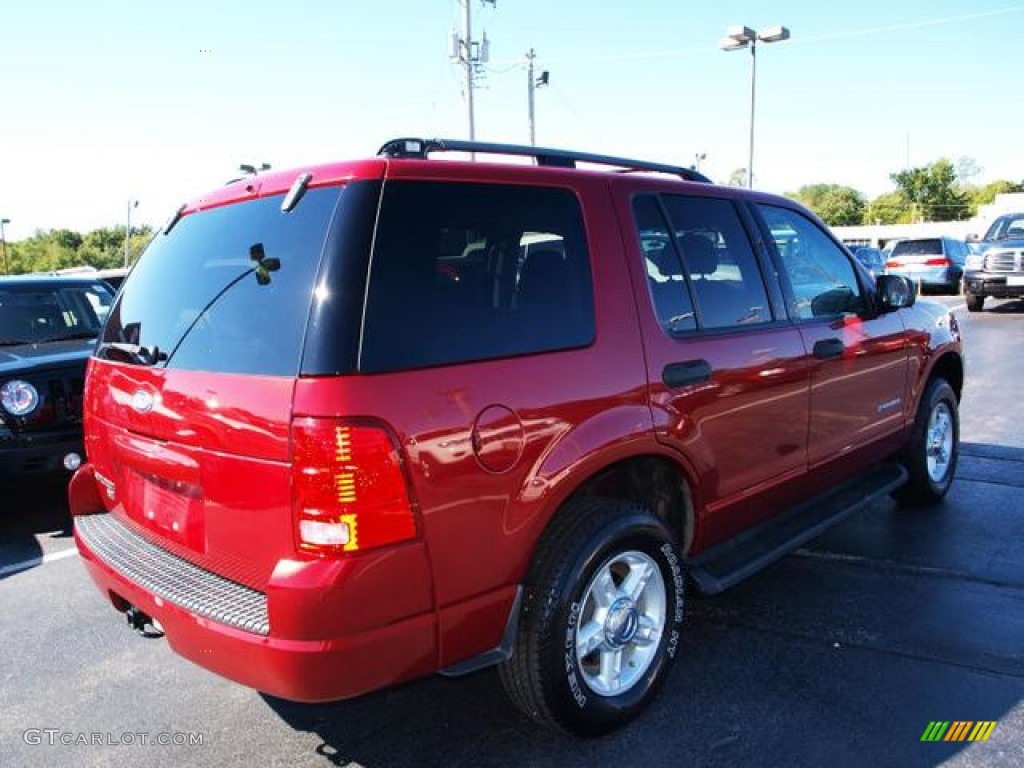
pixel 652 478
pixel 949 366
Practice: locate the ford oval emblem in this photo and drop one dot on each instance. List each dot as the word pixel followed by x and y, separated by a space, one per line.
pixel 142 401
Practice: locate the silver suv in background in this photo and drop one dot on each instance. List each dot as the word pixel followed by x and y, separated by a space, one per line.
pixel 997 267
pixel 932 262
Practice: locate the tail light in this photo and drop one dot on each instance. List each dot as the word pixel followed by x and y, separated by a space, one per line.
pixel 938 263
pixel 892 264
pixel 349 490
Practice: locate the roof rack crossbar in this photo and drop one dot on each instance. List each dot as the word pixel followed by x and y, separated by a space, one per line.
pixel 559 158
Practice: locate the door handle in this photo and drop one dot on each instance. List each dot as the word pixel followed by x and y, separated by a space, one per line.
pixel 826 349
pixel 684 374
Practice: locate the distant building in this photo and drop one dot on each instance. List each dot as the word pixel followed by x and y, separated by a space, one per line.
pixel 877 235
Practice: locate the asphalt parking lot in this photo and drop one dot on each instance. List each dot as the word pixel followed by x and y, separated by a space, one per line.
pixel 841 654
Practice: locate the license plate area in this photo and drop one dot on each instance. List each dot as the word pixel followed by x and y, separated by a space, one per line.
pixel 174 509
pixel 1015 280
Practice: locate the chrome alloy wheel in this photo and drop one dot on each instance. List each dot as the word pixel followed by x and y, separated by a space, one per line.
pixel 939 442
pixel 621 621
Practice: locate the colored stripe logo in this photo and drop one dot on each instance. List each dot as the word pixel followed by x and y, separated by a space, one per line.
pixel 959 730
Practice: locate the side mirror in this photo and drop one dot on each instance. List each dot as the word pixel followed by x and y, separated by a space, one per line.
pixel 895 292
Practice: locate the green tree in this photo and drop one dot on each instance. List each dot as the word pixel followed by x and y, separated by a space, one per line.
pixel 835 204
pixel 932 192
pixel 889 208
pixel 986 195
pixel 47 251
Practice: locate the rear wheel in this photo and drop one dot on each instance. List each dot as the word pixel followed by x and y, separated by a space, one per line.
pixel 974 302
pixel 931 455
pixel 601 618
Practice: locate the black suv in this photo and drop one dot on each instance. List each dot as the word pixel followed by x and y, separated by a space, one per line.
pixel 48 329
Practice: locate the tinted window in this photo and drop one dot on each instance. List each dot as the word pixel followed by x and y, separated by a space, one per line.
pixel 52 312
pixel 928 247
pixel 666 281
pixel 227 289
pixel 464 272
pixel 822 279
pixel 723 272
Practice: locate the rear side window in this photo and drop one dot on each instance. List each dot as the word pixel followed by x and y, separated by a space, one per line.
pixel 701 257
pixel 466 272
pixel 226 290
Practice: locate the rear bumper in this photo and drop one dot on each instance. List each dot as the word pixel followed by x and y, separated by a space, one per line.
pixel 944 276
pixel 306 638
pixel 308 671
pixel 298 670
pixel 991 284
pixel 39 454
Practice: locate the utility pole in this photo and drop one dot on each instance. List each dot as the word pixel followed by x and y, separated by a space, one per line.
pixel 468 65
pixel 3 242
pixel 532 84
pixel 128 229
pixel 469 54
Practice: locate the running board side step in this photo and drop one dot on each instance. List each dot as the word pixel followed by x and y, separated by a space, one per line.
pixel 728 563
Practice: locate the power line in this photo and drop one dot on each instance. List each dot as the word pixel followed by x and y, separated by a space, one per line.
pixel 828 37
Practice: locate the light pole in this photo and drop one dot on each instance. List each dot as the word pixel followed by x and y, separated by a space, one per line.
pixel 3 242
pixel 128 230
pixel 737 38
pixel 697 160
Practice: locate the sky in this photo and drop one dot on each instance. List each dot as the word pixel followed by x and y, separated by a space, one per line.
pixel 109 101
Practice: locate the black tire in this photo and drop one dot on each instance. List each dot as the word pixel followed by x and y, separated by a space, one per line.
pixel 974 302
pixel 576 564
pixel 936 436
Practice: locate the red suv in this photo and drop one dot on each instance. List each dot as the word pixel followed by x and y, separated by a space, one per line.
pixel 359 423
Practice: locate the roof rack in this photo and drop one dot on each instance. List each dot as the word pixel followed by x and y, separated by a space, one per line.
pixel 558 158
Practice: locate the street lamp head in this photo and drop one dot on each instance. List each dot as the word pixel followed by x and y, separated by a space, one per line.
pixel 5 221
pixel 775 34
pixel 728 44
pixel 741 34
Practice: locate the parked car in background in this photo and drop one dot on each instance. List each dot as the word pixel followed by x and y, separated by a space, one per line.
pixel 932 262
pixel 373 420
pixel 871 258
pixel 996 265
pixel 48 329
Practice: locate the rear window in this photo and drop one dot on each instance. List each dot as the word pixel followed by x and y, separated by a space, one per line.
pixel 226 290
pixel 918 247
pixel 466 272
pixel 32 314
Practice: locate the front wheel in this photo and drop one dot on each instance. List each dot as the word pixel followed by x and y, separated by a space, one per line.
pixel 974 302
pixel 931 455
pixel 601 618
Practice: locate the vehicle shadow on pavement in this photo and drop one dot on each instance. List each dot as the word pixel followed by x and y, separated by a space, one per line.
pixel 30 516
pixel 1008 307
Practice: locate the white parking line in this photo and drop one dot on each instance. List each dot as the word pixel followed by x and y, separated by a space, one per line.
pixel 24 565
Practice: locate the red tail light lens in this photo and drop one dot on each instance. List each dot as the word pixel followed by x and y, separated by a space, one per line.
pixel 349 492
pixel 938 263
